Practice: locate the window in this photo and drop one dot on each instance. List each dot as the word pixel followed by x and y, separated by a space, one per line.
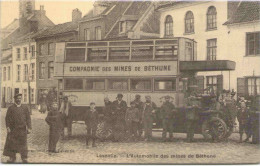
pixel 211 18
pixel 75 54
pixel 41 70
pixel 122 26
pixel 98 33
pixel 253 85
pixel 73 84
pixel 212 83
pixel 25 52
pixel 25 95
pixel 189 22
pixel 253 43
pixel 33 71
pixel 4 74
pixel 18 53
pixel 32 95
pixel 51 48
pixel 188 51
pixel 9 73
pixel 117 84
pixel 87 34
pixel 25 78
pixel 32 51
pixel 168 26
pixel 165 84
pixel 166 52
pixel 212 49
pixel 18 72
pixel 50 69
pixel 141 84
pixel 95 84
pixel 41 49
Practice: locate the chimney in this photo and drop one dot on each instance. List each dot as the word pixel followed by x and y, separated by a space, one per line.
pixel 42 11
pixel 76 15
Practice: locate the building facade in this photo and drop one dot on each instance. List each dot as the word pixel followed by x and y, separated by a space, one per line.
pixel 205 22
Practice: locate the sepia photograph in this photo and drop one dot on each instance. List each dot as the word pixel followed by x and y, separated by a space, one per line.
pixel 130 82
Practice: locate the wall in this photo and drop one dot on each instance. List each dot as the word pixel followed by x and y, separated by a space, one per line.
pixel 91 25
pixel 23 84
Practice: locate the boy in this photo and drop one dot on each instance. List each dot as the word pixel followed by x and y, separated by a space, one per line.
pixel 54 120
pixel 91 120
pixel 132 119
pixel 242 117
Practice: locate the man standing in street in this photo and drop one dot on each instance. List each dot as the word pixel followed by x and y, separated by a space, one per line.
pixel 18 125
pixel 191 115
pixel 65 109
pixel 148 111
pixel 139 105
pixel 167 112
pixel 120 106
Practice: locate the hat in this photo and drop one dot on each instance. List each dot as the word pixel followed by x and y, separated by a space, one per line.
pixel 119 95
pixel 137 96
pixel 148 97
pixel 18 94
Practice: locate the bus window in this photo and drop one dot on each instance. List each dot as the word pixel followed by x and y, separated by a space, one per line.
pixel 73 84
pixel 141 84
pixel 165 84
pixel 95 84
pixel 75 54
pixel 117 84
pixel 97 54
pixel 119 53
pixel 166 52
pixel 142 53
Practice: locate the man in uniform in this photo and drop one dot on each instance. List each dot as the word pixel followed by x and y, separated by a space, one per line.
pixel 139 106
pixel 148 110
pixel 167 113
pixel 18 125
pixel 54 120
pixel 65 109
pixel 120 107
pixel 191 115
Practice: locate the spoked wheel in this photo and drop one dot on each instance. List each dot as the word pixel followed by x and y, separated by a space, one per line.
pixel 214 126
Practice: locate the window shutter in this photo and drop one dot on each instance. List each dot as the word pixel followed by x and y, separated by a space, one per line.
pixel 219 84
pixel 200 83
pixel 241 87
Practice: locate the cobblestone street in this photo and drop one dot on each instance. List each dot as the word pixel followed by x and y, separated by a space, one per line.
pixel 75 151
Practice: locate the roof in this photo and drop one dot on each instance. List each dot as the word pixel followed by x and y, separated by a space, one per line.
pixel 165 4
pixel 57 29
pixel 12 26
pixel 247 11
pixel 136 10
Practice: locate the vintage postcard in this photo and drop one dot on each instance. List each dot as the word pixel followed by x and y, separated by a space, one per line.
pixel 130 82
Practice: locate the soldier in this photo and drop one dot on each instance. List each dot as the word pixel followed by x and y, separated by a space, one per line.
pixel 167 113
pixel 65 109
pixel 91 120
pixel 191 116
pixel 148 110
pixel 18 125
pixel 54 120
pixel 120 107
pixel 139 106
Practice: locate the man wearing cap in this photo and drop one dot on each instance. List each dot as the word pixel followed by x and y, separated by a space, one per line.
pixel 65 109
pixel 139 105
pixel 167 113
pixel 120 107
pixel 18 125
pixel 148 111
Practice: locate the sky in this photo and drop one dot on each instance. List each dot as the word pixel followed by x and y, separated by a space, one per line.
pixel 58 11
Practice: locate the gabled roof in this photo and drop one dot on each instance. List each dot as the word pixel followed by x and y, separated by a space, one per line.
pixel 12 26
pixel 57 29
pixel 247 11
pixel 136 10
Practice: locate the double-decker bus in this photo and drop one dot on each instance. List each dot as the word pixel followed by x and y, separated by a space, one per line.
pixel 90 71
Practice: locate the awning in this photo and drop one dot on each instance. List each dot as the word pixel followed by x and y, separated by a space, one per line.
pixel 217 65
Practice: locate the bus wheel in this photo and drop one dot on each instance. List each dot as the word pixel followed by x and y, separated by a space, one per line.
pixel 214 126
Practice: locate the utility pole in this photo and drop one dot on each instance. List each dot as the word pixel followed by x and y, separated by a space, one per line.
pixel 30 75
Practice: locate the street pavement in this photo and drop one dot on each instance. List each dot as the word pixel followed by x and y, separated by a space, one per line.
pixel 178 151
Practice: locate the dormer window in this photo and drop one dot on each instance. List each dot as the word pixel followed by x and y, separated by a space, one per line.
pixel 122 26
pixel 126 23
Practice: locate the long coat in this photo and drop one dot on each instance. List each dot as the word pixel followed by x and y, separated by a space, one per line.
pixel 18 119
pixel 120 109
